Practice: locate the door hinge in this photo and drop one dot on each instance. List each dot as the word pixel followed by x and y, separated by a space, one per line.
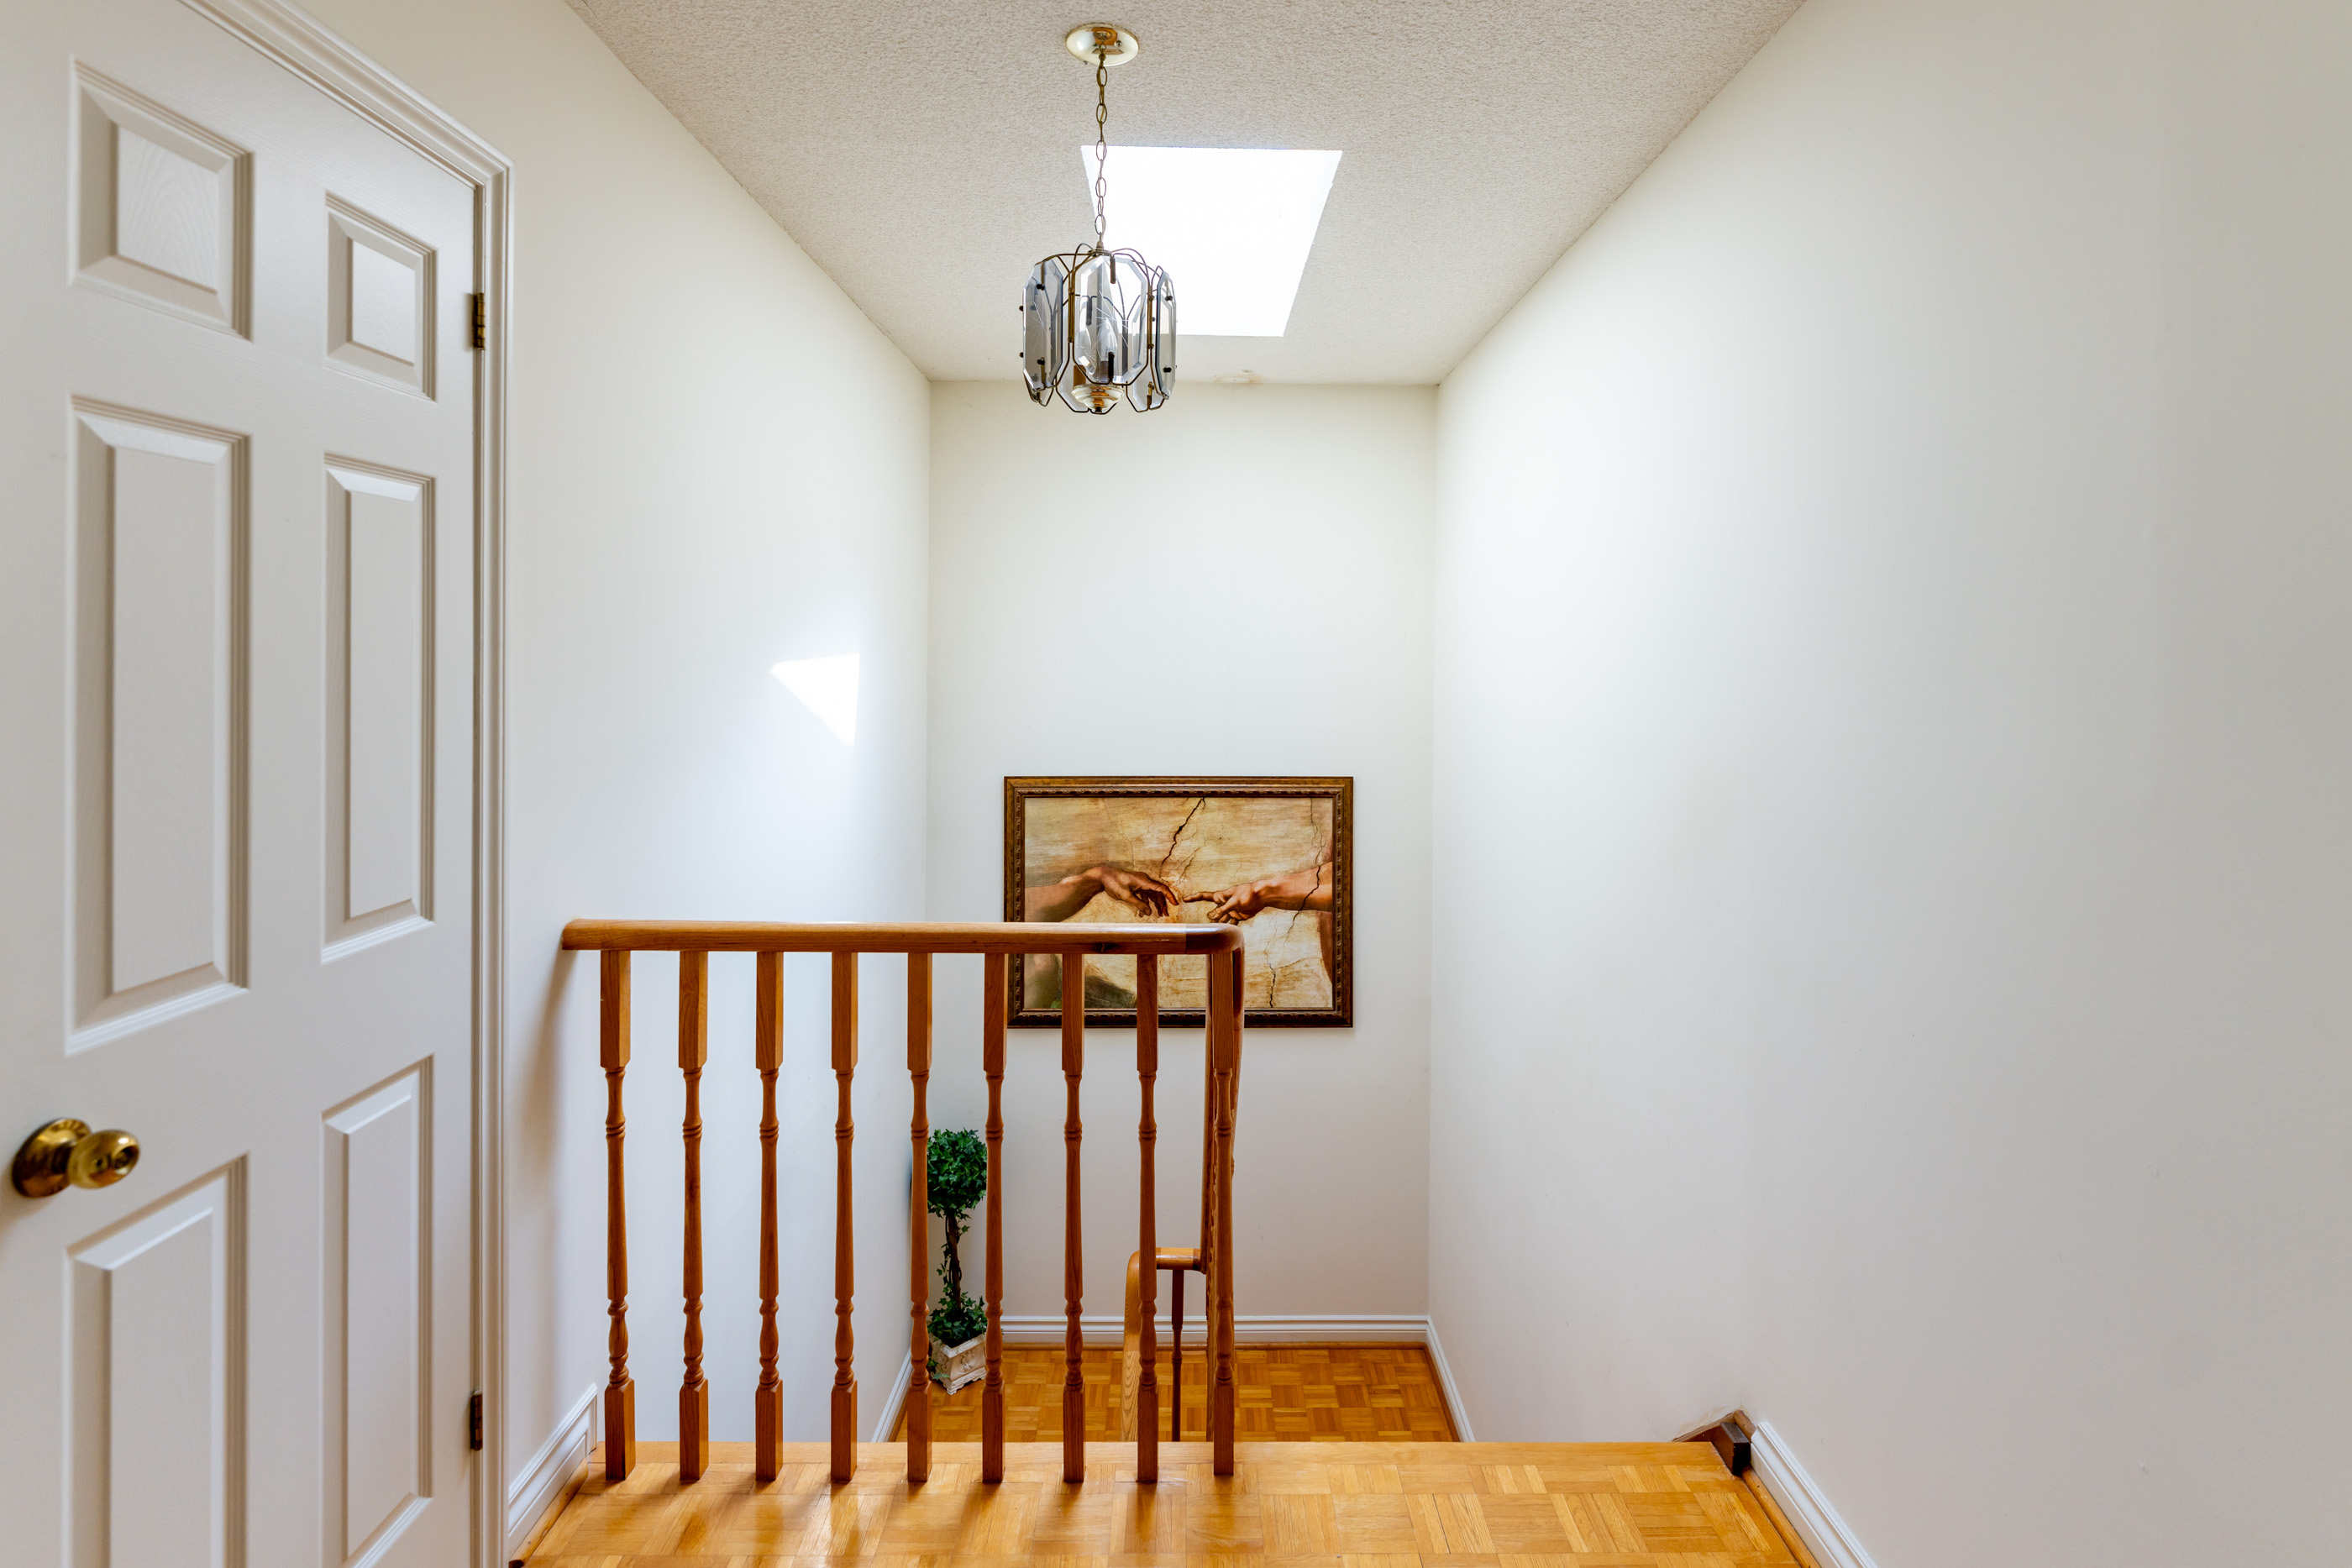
pixel 481 309
pixel 474 1405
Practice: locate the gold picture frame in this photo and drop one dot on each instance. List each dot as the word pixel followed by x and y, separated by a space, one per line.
pixel 1273 855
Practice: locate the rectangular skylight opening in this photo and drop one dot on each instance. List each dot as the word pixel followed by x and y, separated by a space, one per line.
pixel 1231 224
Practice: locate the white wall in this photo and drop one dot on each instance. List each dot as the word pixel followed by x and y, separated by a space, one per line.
pixel 1250 597
pixel 717 463
pixel 1895 650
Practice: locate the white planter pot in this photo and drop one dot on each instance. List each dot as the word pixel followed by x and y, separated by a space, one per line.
pixel 963 1365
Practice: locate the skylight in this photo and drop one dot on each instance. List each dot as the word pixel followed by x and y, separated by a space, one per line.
pixel 1232 225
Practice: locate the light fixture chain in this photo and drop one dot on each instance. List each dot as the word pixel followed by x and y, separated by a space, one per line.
pixel 1102 146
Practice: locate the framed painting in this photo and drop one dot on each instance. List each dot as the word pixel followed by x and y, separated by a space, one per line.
pixel 1273 856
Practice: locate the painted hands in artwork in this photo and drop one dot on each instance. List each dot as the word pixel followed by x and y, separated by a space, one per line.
pixel 1139 890
pixel 1308 888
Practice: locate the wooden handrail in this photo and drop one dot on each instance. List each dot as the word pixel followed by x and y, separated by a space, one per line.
pixel 853 937
pixel 999 945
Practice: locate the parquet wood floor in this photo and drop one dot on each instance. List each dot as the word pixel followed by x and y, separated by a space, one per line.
pixel 1290 1393
pixel 1372 1505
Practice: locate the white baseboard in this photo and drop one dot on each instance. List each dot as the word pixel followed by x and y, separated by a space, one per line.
pixel 1446 1385
pixel 1104 1329
pixel 1341 1329
pixel 549 1467
pixel 1826 1534
pixel 888 1416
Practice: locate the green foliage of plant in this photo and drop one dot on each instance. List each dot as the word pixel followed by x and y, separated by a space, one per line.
pixel 956 1174
pixel 959 1174
pixel 952 1324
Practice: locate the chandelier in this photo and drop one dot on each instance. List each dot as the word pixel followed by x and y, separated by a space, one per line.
pixel 1098 324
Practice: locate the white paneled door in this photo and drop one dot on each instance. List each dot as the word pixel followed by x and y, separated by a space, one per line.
pixel 238 643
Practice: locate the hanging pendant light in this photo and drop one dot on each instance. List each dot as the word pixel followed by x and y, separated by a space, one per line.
pixel 1097 324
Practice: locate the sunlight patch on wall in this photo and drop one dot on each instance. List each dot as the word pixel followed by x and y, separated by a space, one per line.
pixel 827 688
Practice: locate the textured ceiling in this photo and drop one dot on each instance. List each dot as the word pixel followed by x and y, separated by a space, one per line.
pixel 925 155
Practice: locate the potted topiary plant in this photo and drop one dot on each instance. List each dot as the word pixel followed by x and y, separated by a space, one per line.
pixel 958 1179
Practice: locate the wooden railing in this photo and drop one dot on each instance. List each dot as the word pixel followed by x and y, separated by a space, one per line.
pixel 693 942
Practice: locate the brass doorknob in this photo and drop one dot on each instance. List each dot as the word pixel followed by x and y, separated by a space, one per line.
pixel 66 1154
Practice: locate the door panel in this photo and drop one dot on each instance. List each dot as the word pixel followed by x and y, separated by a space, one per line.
pixel 237 608
pixel 379 702
pixel 158 1390
pixel 161 206
pixel 379 1302
pixel 159 682
pixel 379 301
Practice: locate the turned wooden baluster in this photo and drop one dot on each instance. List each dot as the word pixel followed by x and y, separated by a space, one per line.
pixel 1147 1137
pixel 919 1218
pixel 1224 1047
pixel 1176 1355
pixel 991 1062
pixel 768 1054
pixel 1232 1147
pixel 612 1050
pixel 1074 1282
pixel 1208 1230
pixel 693 1050
pixel 844 1267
